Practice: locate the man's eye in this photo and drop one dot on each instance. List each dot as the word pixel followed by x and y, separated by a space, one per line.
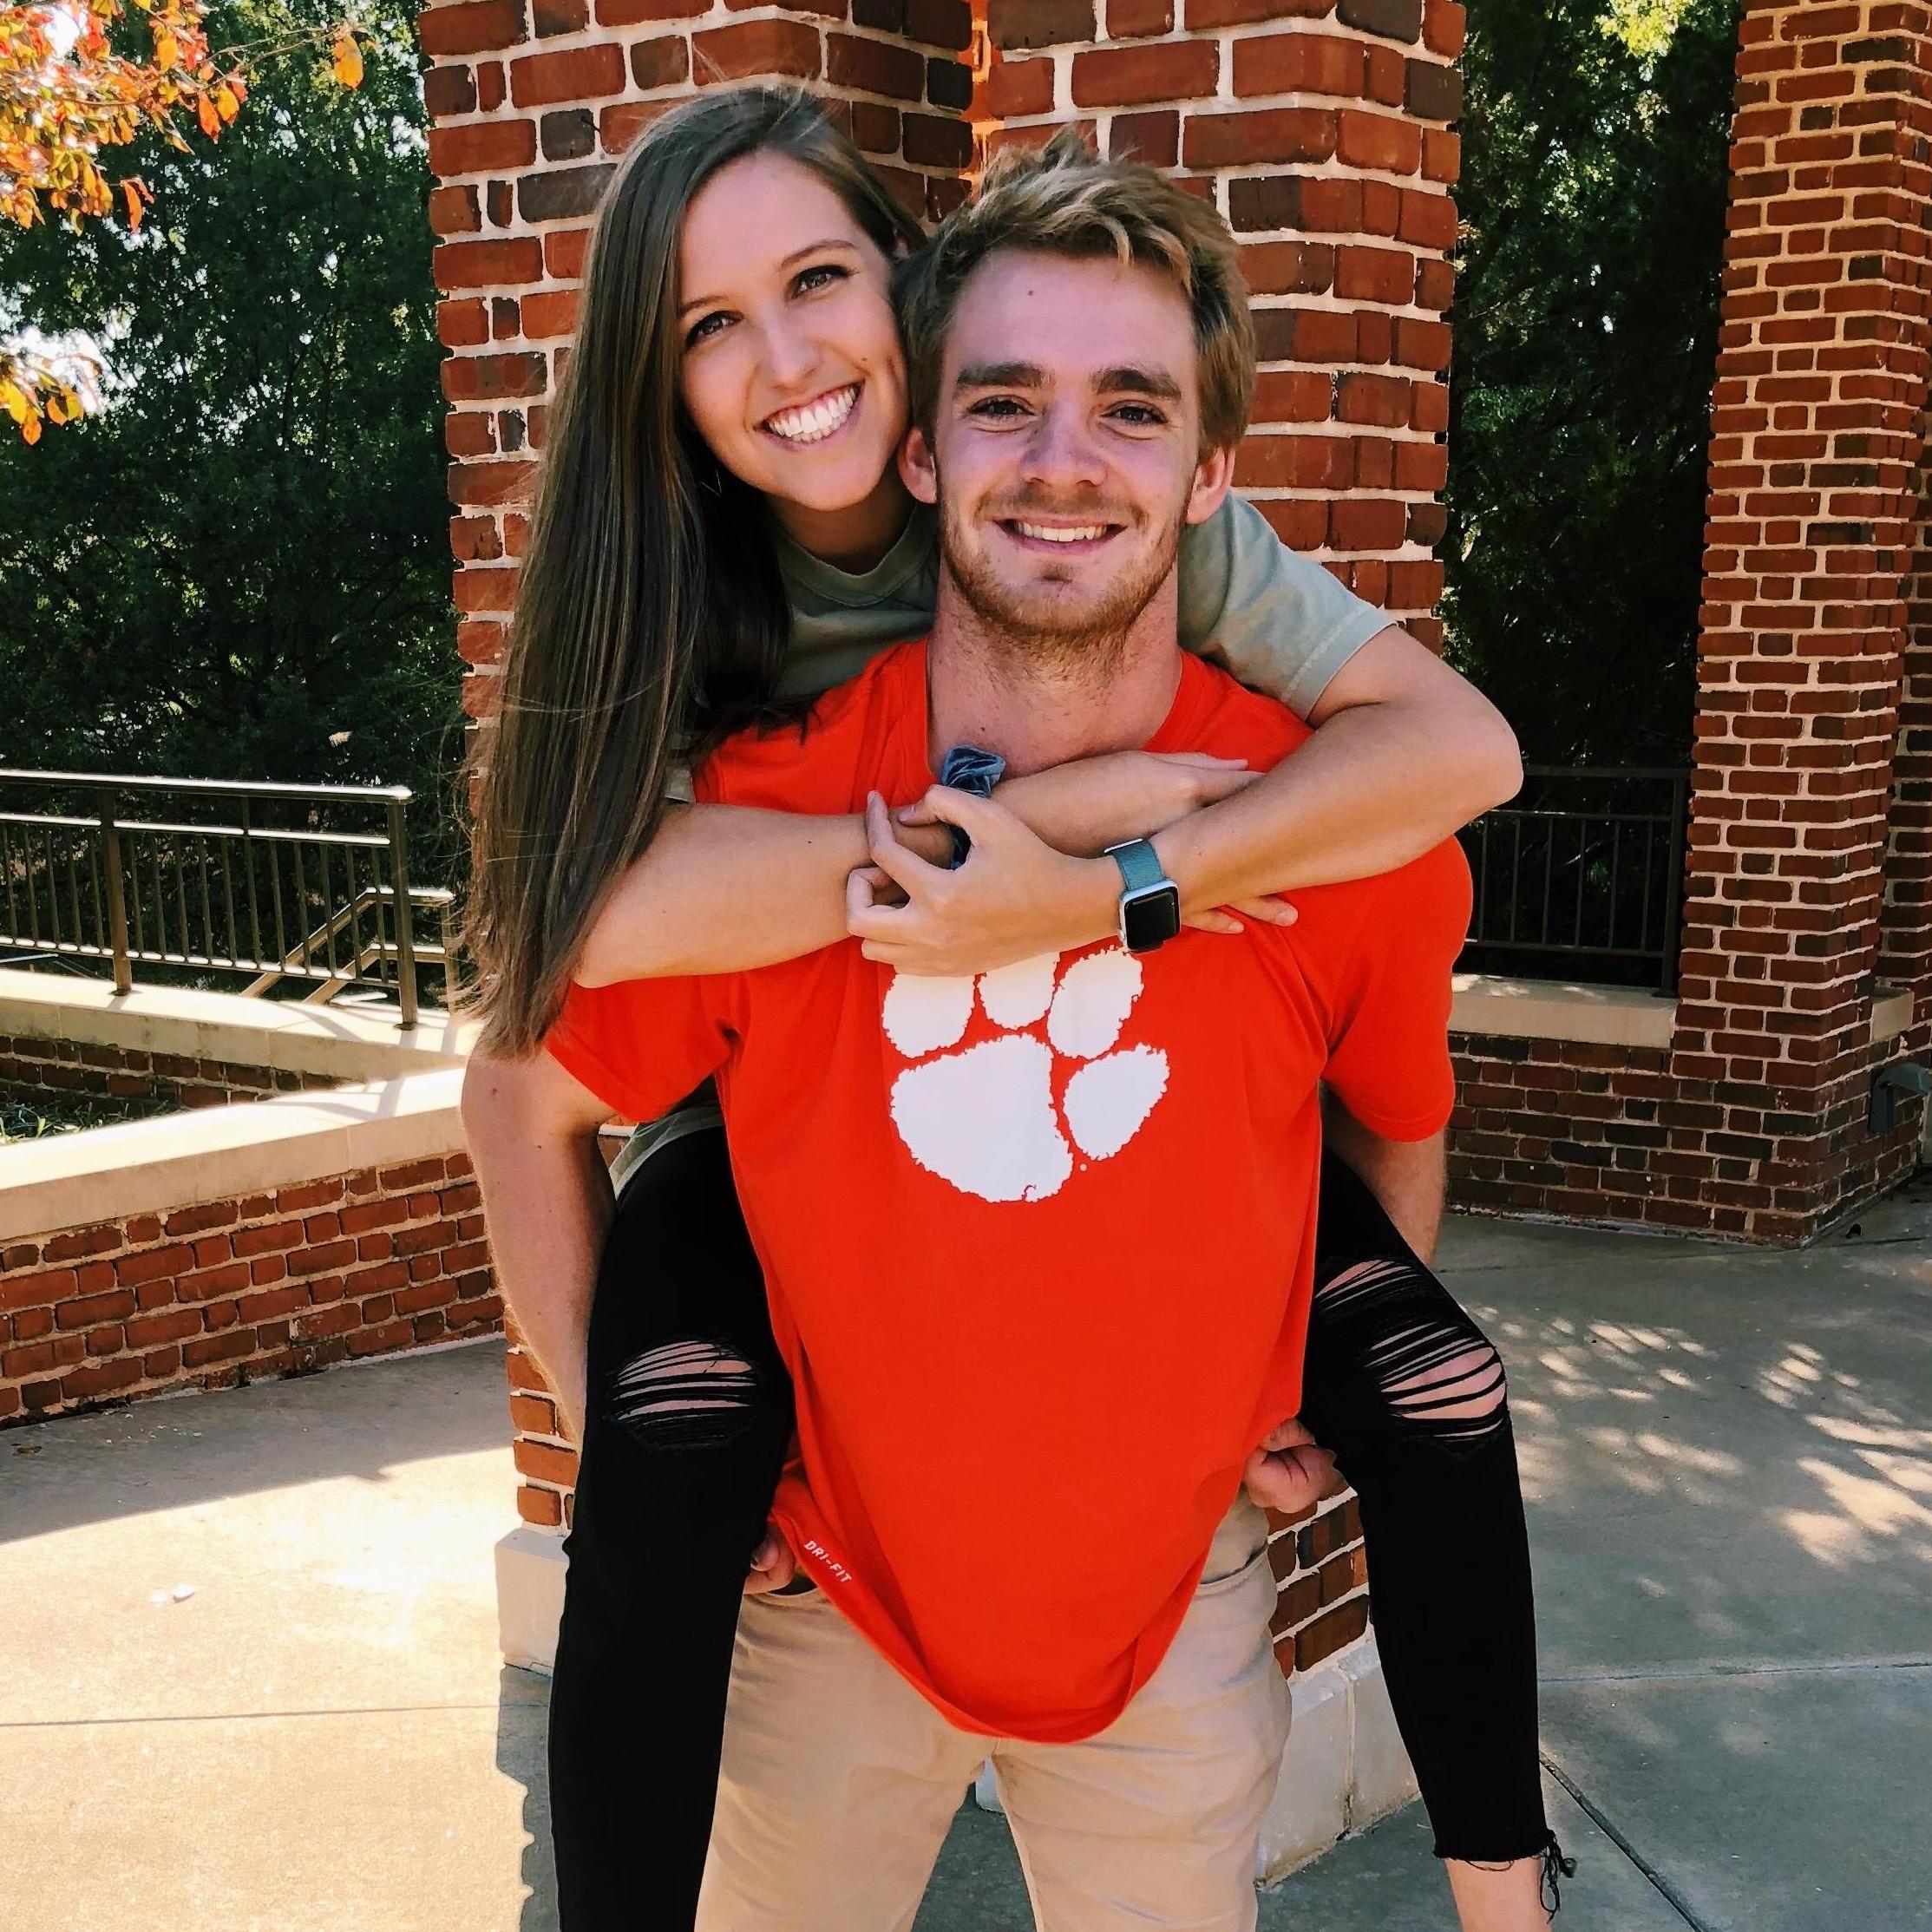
pixel 705 327
pixel 999 408
pixel 1140 415
pixel 808 281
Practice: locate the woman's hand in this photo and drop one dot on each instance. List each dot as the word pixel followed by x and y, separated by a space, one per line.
pixel 773 1565
pixel 1014 898
pixel 1291 1472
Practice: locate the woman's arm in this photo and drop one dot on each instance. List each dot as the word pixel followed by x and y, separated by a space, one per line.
pixel 728 888
pixel 1405 753
pixel 532 1131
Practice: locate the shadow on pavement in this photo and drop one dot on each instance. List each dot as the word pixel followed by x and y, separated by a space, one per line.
pixel 359 1421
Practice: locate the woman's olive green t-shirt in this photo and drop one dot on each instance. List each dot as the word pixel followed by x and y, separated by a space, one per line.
pixel 1276 620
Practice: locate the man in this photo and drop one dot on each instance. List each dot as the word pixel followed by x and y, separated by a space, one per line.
pixel 1038 1244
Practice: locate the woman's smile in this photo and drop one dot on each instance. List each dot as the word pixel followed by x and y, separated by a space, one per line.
pixel 803 425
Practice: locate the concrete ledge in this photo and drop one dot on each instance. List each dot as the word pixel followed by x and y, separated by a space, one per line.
pixel 344 1042
pixel 1555 1010
pixel 217 1153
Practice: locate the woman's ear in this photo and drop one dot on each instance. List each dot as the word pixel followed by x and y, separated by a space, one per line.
pixel 918 469
pixel 1214 476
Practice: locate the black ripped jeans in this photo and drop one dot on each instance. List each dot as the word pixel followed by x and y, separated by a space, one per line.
pixel 689 1418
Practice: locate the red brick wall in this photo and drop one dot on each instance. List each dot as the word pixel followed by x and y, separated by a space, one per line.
pixel 47 1072
pixel 226 1292
pixel 1592 1133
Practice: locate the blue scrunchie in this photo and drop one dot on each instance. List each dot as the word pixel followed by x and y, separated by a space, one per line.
pixel 966 767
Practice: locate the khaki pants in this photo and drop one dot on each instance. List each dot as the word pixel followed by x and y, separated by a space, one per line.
pixel 840 1780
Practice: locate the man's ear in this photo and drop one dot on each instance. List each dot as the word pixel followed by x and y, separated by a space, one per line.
pixel 1213 478
pixel 917 470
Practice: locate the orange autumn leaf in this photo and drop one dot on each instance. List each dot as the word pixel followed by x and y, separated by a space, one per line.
pixel 210 122
pixel 30 431
pixel 346 58
pixel 226 103
pixel 136 209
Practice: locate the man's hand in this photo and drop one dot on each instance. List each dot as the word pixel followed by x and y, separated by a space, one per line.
pixel 773 1566
pixel 1290 1472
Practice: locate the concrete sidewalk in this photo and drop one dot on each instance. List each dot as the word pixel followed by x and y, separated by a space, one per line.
pixel 1728 1456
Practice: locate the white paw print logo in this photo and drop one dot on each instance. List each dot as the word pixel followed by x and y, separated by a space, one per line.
pixel 985 1118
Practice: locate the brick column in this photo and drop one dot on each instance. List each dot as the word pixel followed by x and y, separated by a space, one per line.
pixel 1320 127
pixel 1821 384
pixel 530 106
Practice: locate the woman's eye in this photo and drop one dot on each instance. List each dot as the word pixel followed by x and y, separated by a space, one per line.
pixel 705 327
pixel 808 281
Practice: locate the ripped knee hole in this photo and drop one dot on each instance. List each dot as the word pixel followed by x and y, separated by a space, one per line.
pixel 688 1394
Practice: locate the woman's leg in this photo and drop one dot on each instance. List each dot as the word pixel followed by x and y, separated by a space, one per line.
pixel 687 1422
pixel 1408 1394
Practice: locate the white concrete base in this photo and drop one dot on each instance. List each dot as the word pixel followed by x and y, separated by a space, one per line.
pixel 1344 1767
pixel 530 1564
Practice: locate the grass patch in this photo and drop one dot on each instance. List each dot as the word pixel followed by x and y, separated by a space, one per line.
pixel 30 1120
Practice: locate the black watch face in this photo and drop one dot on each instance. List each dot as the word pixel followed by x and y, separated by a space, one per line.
pixel 1151 919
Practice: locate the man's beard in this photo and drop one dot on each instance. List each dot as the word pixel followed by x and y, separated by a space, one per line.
pixel 1087 642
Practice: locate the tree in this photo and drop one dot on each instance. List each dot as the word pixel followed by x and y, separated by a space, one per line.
pixel 1593 190
pixel 240 568
pixel 79 77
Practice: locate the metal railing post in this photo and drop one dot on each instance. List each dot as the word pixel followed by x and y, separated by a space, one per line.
pixel 405 931
pixel 117 896
pixel 1673 876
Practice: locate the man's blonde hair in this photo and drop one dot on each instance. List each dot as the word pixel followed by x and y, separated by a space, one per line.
pixel 1064 200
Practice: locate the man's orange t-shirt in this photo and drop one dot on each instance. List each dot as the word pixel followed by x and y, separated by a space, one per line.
pixel 1038 1247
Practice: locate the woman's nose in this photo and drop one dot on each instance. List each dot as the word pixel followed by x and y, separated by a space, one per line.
pixel 791 356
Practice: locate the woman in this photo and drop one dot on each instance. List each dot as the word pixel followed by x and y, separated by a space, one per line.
pixel 722 531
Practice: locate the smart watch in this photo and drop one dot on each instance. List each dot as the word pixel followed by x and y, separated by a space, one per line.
pixel 1150 901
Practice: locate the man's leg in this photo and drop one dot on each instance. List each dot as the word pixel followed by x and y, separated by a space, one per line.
pixel 1155 1822
pixel 839 1780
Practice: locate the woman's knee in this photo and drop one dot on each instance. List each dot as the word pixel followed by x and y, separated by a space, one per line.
pixel 1434 1374
pixel 691 1393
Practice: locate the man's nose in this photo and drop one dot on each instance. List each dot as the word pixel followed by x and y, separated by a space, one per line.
pixel 1060 452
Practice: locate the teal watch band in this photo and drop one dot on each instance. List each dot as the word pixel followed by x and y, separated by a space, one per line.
pixel 1140 864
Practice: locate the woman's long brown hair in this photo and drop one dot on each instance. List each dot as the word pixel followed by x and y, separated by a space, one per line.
pixel 650 615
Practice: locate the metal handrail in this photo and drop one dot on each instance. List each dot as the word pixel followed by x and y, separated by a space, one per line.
pixel 236 892
pixel 1596 899
pixel 238 787
pixel 438 897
